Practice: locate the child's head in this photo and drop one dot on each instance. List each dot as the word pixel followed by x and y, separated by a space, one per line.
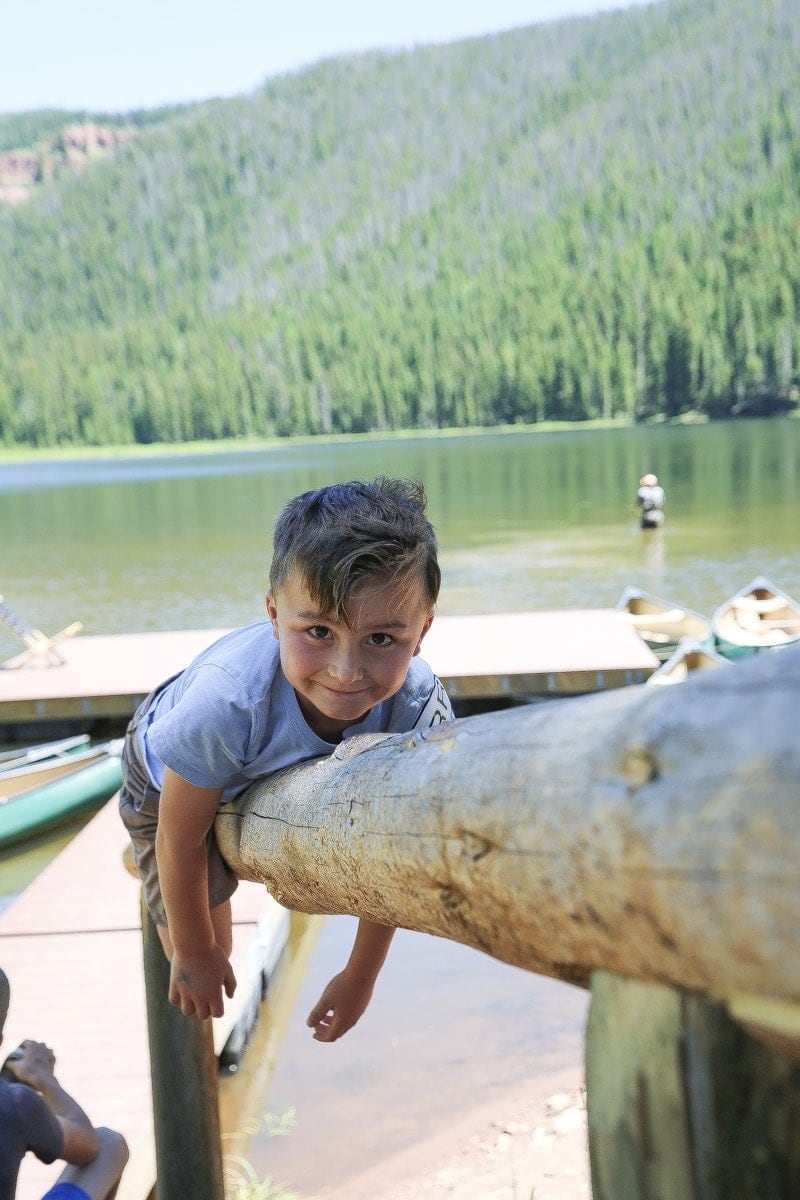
pixel 353 582
pixel 337 536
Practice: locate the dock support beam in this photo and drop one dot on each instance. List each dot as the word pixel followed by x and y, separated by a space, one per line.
pixel 682 1103
pixel 184 1083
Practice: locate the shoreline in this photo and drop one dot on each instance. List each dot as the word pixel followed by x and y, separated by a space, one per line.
pixel 530 1144
pixel 15 455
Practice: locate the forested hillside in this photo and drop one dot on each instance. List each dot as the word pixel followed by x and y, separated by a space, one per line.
pixel 599 217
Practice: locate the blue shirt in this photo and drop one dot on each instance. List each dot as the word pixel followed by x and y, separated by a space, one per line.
pixel 26 1123
pixel 232 717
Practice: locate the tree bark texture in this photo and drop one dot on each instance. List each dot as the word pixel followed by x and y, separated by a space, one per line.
pixel 650 832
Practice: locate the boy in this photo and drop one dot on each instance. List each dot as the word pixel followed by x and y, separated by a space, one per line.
pixel 36 1114
pixel 353 584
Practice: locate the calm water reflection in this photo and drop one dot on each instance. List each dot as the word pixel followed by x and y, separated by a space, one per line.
pixel 525 521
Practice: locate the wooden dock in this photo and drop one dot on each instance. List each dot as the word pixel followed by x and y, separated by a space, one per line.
pixel 497 656
pixel 71 946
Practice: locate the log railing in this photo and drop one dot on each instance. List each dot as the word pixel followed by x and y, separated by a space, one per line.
pixel 644 842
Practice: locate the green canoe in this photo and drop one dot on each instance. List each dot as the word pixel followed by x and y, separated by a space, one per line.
pixel 760 617
pixel 45 807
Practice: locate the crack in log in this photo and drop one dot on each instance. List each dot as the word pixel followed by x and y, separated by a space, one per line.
pixel 252 812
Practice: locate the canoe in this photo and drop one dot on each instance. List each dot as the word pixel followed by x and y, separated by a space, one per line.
pixel 662 624
pixel 54 800
pixel 27 777
pixel 21 756
pixel 759 617
pixel 689 656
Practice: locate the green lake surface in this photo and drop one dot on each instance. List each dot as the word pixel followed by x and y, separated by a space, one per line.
pixel 526 521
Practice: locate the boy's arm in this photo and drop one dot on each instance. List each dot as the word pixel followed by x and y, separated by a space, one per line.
pixel 36 1068
pixel 348 993
pixel 200 968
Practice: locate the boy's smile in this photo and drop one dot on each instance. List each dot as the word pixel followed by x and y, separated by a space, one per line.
pixel 340 671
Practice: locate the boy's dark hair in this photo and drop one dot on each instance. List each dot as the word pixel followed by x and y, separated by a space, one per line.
pixel 335 536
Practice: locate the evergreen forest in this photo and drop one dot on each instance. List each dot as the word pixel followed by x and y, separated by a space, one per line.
pixel 597 218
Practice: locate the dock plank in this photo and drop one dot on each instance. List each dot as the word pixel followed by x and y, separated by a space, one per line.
pixel 495 655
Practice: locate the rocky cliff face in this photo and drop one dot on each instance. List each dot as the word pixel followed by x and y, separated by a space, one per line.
pixel 72 150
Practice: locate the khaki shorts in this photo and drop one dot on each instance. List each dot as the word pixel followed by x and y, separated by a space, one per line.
pixel 138 807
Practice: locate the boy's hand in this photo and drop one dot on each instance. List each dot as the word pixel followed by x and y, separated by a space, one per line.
pixel 340 1005
pixel 36 1064
pixel 196 983
pixel 349 992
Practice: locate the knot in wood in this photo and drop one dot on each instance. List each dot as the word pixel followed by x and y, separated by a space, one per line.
pixel 475 845
pixel 639 767
pixel 451 897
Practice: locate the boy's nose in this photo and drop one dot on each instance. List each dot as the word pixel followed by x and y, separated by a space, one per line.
pixel 346 667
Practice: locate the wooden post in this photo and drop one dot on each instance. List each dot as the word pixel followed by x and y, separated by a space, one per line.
pixel 183 1069
pixel 683 1104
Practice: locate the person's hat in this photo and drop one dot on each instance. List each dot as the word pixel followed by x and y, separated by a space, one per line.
pixel 648 481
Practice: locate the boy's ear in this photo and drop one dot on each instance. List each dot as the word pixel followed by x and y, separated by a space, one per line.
pixel 272 613
pixel 425 629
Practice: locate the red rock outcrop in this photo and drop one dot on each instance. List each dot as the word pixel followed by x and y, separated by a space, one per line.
pixel 71 150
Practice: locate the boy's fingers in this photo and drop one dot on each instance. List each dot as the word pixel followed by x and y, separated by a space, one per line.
pixel 318 1013
pixel 324 1031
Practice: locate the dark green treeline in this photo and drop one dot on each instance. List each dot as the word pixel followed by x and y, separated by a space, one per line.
pixel 594 218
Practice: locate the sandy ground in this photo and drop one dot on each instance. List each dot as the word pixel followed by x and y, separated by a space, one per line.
pixel 535 1149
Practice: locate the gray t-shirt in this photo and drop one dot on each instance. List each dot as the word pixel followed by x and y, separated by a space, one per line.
pixel 26 1123
pixel 232 716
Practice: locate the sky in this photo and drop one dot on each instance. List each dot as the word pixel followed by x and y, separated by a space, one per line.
pixel 108 56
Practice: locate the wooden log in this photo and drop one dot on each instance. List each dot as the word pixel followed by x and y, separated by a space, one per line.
pixel 649 832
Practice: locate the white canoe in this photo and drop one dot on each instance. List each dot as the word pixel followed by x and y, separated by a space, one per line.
pixel 689 656
pixel 661 623
pixel 759 617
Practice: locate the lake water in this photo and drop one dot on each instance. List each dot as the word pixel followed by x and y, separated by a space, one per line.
pixel 525 521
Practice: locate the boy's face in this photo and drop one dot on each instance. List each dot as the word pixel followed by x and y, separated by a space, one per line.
pixel 340 672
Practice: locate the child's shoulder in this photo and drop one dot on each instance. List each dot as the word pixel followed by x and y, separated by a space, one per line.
pixel 241 654
pixel 421 701
pixel 242 640
pixel 420 677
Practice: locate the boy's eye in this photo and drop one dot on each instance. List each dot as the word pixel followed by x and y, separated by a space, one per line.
pixel 320 632
pixel 380 639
